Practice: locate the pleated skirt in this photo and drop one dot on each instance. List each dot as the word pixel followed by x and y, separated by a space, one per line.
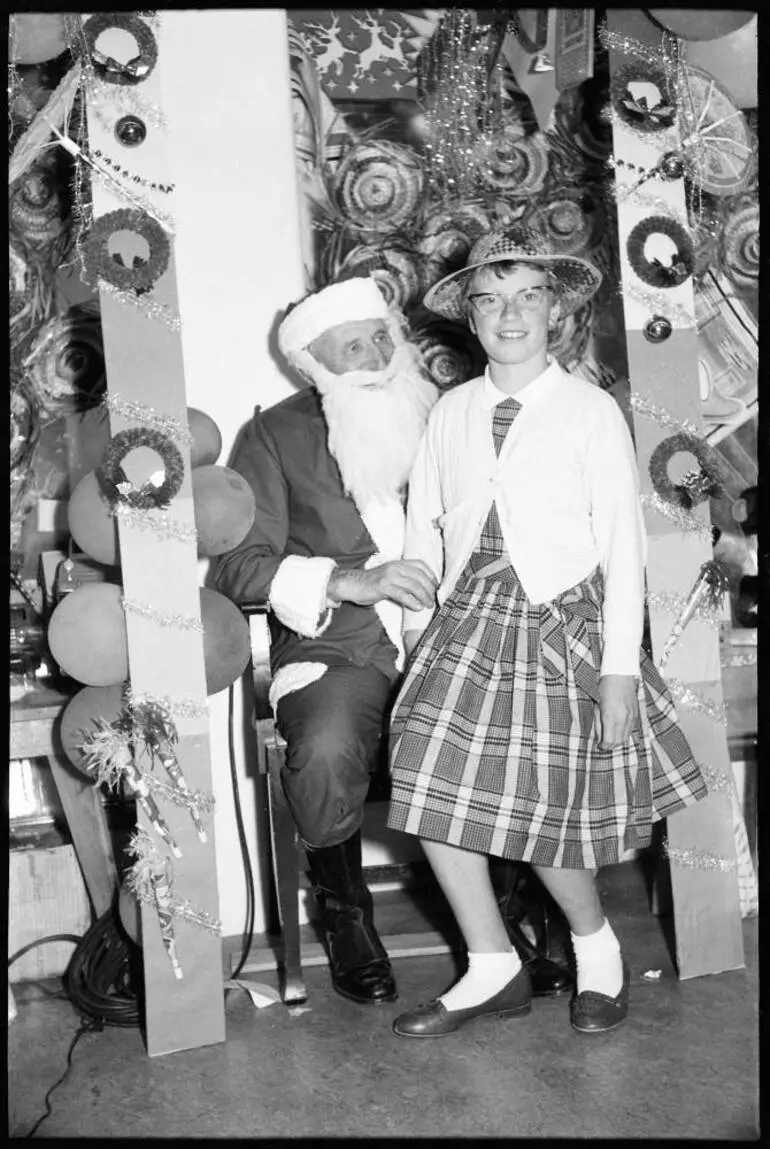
pixel 493 740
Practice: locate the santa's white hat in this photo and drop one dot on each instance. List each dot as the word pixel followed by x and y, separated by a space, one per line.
pixel 345 302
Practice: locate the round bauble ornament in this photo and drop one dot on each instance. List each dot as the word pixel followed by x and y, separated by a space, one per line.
pixel 36 37
pixel 207 438
pixel 130 131
pixel 224 509
pixel 87 635
pixel 130 913
pixel 83 715
pixel 225 640
pixel 91 522
pixel 658 329
pixel 671 166
pixel 699 23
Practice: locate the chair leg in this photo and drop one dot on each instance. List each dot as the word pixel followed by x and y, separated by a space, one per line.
pixel 283 833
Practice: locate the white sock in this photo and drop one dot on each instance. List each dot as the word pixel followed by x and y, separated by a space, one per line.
pixel 599 962
pixel 486 975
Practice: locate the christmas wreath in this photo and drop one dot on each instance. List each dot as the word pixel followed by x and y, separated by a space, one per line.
pixel 110 70
pixel 652 271
pixel 692 489
pixel 99 263
pixel 634 110
pixel 118 488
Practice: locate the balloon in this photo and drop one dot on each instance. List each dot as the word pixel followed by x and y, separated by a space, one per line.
pixel 732 61
pixel 224 509
pixel 36 37
pixel 91 525
pixel 225 640
pixel 700 23
pixel 81 714
pixel 129 913
pixel 87 635
pixel 207 439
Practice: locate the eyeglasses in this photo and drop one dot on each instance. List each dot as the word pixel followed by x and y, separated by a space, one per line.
pixel 527 299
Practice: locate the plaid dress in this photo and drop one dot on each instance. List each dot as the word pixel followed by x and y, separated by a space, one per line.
pixel 493 746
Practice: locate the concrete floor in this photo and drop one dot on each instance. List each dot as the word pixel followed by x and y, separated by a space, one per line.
pixel 684 1065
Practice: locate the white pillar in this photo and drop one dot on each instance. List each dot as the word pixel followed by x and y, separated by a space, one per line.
pixel 226 91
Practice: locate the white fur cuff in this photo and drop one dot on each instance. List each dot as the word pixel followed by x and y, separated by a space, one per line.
pixel 298 594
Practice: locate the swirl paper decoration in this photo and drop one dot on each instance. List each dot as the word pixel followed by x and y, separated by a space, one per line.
pixel 448 237
pixel 570 337
pixel 570 219
pixel 36 211
pixel 24 422
pixel 511 163
pixel 577 125
pixel 739 248
pixel 67 362
pixel 450 353
pixel 378 186
pixel 394 271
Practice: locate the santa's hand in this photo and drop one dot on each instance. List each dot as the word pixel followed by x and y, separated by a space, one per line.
pixel 407 582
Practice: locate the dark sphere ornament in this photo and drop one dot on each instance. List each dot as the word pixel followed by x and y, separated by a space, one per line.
pixel 130 131
pixel 671 166
pixel 658 329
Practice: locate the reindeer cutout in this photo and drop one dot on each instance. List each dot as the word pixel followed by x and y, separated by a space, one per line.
pixel 331 58
pixel 378 51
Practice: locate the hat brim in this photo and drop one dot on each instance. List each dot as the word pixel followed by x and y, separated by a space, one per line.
pixel 579 281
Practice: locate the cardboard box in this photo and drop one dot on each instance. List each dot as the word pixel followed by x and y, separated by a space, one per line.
pixel 47 896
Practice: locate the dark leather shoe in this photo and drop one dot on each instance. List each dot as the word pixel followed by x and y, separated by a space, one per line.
pixel 592 1012
pixel 371 984
pixel 434 1019
pixel 549 979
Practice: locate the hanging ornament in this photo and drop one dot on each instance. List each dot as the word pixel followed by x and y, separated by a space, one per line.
pixel 658 329
pixel 671 166
pixel 130 131
pixel 707 593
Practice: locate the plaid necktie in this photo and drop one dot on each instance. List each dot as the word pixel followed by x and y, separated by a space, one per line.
pixel 491 540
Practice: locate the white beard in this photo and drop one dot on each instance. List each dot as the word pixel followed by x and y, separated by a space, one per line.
pixel 375 421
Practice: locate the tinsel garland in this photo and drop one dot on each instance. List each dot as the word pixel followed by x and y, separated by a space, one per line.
pixel 153 725
pixel 149 417
pixel 684 695
pixel 159 522
pixel 643 406
pixel 658 303
pixel 148 307
pixel 144 610
pixel 180 707
pixel 698 859
pixel 674 602
pixel 685 520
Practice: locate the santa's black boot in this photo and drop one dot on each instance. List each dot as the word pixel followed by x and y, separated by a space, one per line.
pixel 521 896
pixel 360 967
